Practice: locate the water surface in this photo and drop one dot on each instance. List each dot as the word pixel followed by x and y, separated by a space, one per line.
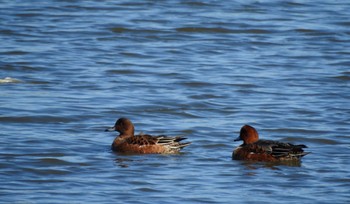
pixel 199 69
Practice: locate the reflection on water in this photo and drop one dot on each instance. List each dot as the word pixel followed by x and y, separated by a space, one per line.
pixel 271 165
pixel 122 162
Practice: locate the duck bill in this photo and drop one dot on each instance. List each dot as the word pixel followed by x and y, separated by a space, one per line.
pixel 237 139
pixel 111 129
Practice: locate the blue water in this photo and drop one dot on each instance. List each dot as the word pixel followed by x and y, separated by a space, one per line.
pixel 199 69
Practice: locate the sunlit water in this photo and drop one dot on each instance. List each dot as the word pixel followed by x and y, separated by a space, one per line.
pixel 200 69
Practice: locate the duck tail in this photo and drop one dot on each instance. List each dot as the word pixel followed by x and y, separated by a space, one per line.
pixel 301 154
pixel 182 145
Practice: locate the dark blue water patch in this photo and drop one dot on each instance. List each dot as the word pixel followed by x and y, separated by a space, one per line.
pixel 125 71
pixel 135 55
pixel 45 172
pixel 301 30
pixel 19 67
pixel 35 119
pixel 43 181
pixel 197 84
pixel 52 161
pixel 340 63
pixel 14 52
pixel 344 77
pixel 136 31
pixel 8 156
pixel 262 63
pixel 28 14
pixel 221 30
pixel 198 4
pixel 7 32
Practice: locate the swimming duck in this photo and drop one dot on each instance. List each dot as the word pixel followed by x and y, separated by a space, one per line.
pixel 127 142
pixel 265 150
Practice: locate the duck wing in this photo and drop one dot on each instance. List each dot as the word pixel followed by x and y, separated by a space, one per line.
pixel 144 139
pixel 282 149
pixel 173 142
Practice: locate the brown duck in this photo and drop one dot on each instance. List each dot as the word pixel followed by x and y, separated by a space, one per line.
pixel 265 150
pixel 127 142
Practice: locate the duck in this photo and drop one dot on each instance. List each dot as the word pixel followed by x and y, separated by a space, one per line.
pixel 255 149
pixel 127 142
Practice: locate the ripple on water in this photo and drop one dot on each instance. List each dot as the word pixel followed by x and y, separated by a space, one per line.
pixel 9 80
pixel 35 119
pixel 202 70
